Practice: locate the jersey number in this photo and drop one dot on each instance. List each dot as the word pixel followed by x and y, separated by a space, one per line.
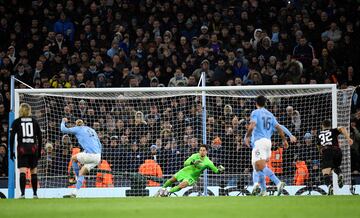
pixel 325 138
pixel 266 121
pixel 27 129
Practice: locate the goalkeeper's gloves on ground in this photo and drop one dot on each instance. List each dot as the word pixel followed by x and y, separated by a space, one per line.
pixel 221 169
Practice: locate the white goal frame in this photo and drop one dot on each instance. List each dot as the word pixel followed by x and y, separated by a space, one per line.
pixel 200 90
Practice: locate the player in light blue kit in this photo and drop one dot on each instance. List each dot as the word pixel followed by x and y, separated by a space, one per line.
pixel 267 171
pixel 262 125
pixel 91 155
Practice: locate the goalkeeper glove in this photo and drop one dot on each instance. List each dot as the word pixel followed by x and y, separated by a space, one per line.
pixel 221 169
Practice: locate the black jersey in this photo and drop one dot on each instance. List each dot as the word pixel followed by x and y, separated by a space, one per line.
pixel 29 137
pixel 329 137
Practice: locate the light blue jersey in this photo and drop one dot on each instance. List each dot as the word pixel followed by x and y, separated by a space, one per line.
pixel 286 131
pixel 265 124
pixel 87 137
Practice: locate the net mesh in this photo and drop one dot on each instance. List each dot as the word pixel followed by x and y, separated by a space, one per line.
pixel 143 129
pixel 344 97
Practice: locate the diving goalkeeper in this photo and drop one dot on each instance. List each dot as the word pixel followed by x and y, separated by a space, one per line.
pixel 193 167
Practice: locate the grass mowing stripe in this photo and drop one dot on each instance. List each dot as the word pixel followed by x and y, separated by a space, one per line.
pixel 210 207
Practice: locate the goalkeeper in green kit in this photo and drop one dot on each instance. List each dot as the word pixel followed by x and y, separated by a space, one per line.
pixel 193 167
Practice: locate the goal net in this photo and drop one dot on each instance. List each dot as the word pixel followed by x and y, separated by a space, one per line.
pixel 148 133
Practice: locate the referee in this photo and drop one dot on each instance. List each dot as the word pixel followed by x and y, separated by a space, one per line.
pixel 29 143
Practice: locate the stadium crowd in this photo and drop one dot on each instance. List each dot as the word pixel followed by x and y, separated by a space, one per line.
pixel 119 43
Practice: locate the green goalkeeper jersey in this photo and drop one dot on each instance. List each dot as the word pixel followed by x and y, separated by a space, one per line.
pixel 195 170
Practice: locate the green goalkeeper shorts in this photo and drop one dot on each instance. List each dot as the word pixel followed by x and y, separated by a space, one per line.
pixel 182 176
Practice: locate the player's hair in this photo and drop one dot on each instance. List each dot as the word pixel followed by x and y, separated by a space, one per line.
pixel 326 123
pixel 260 100
pixel 204 146
pixel 24 110
pixel 79 122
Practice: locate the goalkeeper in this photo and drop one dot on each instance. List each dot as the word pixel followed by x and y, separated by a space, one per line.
pixel 187 176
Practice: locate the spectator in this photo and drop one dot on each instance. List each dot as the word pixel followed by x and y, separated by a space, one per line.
pixel 254 78
pixel 104 180
pixel 151 168
pixel 179 79
pixel 3 160
pixel 21 74
pixel 327 63
pixel 256 39
pixel 65 27
pixel 240 70
pixel 60 81
pixel 3 114
pixel 301 173
pixel 264 48
pixel 12 55
pixel 114 49
pixel 189 32
pixel 312 158
pixel 135 157
pixel 333 33
pixel 315 71
pixel 295 117
pixel 217 151
pixel 192 81
pixel 59 43
pixel 205 67
pixel 304 52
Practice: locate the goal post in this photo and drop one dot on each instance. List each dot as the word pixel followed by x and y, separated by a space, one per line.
pixel 166 125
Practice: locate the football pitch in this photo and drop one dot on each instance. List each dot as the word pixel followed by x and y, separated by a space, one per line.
pixel 209 207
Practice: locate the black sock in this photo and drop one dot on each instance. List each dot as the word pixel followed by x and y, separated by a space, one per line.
pixel 337 171
pixel 22 183
pixel 328 179
pixel 34 183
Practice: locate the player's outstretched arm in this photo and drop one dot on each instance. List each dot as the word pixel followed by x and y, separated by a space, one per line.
pixel 346 134
pixel 293 139
pixel 215 169
pixel 64 129
pixel 282 135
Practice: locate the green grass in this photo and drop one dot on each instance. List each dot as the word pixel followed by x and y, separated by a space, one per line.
pixel 185 207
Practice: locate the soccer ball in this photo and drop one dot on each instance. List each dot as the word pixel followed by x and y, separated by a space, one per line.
pixel 163 192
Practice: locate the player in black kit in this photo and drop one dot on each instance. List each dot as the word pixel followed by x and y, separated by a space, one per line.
pixel 331 153
pixel 29 143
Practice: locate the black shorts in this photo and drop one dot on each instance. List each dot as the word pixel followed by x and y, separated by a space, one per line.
pixel 331 157
pixel 29 161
